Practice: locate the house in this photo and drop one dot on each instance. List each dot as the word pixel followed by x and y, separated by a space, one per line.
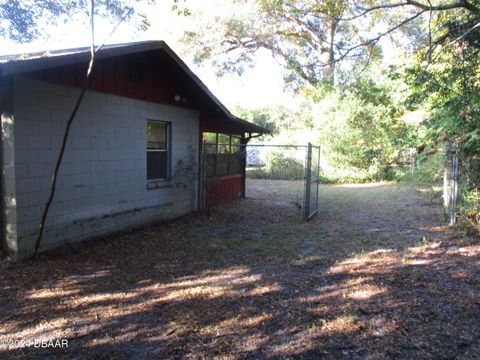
pixel 133 151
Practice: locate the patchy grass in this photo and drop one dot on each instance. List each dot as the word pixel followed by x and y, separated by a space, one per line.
pixel 375 275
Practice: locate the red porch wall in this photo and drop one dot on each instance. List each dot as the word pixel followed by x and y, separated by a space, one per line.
pixel 224 189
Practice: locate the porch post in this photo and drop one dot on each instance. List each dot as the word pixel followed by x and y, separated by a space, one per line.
pixel 243 150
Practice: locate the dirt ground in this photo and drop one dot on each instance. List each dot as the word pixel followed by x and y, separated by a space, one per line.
pixel 376 275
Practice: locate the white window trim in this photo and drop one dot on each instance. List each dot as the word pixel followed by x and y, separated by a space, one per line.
pixel 162 182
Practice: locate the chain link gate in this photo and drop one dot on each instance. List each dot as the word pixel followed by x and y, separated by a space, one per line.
pixel 278 175
pixel 312 181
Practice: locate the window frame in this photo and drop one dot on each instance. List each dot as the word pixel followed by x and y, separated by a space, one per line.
pixel 159 182
pixel 231 142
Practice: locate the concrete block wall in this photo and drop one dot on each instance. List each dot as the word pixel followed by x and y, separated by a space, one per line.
pixel 102 185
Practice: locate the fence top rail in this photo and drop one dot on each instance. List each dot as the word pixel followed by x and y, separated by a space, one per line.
pixel 259 145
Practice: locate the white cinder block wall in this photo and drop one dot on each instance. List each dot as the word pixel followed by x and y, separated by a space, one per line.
pixel 102 185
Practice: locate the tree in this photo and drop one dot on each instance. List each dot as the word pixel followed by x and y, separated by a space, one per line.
pixel 311 37
pixel 445 76
pixel 450 89
pixel 302 35
pixel 25 20
pixel 362 124
pixel 261 117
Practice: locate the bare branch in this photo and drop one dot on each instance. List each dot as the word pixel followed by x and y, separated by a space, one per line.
pixel 429 7
pixel 430 13
pixel 71 118
pixel 377 38
pixel 455 5
pixel 373 8
pixel 313 32
pixel 65 136
pixel 124 17
pixel 477 25
pixel 367 62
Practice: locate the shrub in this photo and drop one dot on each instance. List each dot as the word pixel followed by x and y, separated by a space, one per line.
pixel 279 166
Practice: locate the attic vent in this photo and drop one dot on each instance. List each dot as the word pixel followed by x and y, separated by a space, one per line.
pixel 135 69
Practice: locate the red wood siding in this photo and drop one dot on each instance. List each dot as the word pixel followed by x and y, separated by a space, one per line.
pixel 161 80
pixel 224 189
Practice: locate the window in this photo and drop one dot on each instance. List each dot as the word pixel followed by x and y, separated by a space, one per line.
pixel 224 154
pixel 158 150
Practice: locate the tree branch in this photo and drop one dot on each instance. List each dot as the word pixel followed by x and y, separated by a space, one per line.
pixel 373 8
pixel 425 7
pixel 455 5
pixel 477 25
pixel 313 32
pixel 63 146
pixel 378 37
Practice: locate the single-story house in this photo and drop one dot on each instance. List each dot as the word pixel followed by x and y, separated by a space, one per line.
pixel 133 151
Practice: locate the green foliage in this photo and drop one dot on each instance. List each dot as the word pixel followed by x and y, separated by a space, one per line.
pixel 468 206
pixel 469 212
pixel 396 173
pixel 361 126
pixel 273 118
pixel 347 176
pixel 279 167
pixel 428 174
pixel 450 88
pixel 429 169
pixel 285 168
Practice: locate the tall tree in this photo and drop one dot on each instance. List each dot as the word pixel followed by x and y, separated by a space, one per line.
pixel 301 34
pixel 310 37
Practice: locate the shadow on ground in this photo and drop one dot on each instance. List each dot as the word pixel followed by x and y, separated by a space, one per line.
pixel 375 276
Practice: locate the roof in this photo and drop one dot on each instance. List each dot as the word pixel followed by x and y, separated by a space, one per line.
pixel 21 63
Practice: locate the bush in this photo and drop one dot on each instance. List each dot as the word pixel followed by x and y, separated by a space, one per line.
pixel 282 167
pixel 279 167
pixel 429 170
pixel 347 176
pixel 400 173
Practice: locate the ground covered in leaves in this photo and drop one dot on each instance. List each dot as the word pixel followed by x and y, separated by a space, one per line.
pixel 376 275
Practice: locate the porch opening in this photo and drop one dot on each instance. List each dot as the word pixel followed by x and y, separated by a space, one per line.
pixel 283 179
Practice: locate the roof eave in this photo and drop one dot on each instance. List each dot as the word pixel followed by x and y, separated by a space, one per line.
pixel 41 61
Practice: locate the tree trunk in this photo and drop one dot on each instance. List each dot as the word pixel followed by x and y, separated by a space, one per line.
pixel 329 69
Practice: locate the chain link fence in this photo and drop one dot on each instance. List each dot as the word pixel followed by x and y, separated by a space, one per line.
pixel 402 166
pixel 461 188
pixel 454 177
pixel 282 178
pixel 276 173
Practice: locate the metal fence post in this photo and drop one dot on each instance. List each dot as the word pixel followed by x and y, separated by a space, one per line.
pixel 412 163
pixel 451 178
pixel 454 189
pixel 308 179
pixel 447 178
pixel 317 175
pixel 243 155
